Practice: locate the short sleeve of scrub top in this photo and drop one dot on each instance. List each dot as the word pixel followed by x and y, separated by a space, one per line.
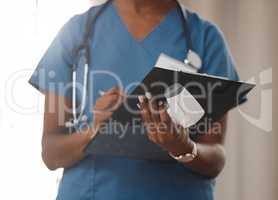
pixel 54 71
pixel 116 52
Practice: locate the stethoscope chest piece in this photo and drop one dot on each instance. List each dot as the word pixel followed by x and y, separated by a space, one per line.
pixel 73 123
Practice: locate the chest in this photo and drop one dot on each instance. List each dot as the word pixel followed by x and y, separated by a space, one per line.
pixel 118 59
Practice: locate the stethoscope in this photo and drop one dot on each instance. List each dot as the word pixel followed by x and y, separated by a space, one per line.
pixel 193 61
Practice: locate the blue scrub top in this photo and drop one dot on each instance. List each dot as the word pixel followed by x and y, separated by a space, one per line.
pixel 118 59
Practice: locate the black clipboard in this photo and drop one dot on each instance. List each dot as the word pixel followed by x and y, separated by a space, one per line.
pixel 227 95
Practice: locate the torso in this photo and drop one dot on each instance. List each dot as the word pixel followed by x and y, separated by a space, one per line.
pixel 116 53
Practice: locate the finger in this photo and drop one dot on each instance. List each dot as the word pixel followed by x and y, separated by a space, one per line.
pixel 109 101
pixel 145 112
pixel 181 133
pixel 122 93
pixel 146 116
pixel 113 90
pixel 153 107
pixel 116 103
pixel 151 130
pixel 106 103
pixel 116 90
pixel 164 116
pixel 166 124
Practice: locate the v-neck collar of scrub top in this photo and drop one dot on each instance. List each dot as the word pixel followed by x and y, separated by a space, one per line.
pixel 156 28
pixel 154 36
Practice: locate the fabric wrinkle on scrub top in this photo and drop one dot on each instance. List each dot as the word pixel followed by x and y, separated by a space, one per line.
pixel 114 50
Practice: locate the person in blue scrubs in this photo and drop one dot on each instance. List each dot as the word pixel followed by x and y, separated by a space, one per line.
pixel 127 39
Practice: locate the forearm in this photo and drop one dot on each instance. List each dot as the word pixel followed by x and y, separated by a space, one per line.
pixel 210 160
pixel 211 154
pixel 62 151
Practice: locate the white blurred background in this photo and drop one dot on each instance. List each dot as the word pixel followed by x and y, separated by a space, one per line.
pixel 27 28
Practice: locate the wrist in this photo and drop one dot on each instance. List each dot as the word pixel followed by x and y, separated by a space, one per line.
pixel 187 157
pixel 182 147
pixel 90 132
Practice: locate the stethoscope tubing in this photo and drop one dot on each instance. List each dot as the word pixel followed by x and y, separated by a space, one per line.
pixel 194 63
